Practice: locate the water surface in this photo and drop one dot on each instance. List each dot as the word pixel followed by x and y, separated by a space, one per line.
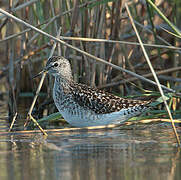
pixel 140 152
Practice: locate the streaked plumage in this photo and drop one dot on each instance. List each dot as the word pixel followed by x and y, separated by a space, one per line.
pixel 82 106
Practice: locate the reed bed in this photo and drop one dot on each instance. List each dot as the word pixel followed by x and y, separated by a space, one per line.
pixel 98 38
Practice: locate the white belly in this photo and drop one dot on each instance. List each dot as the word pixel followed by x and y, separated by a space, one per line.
pixel 87 118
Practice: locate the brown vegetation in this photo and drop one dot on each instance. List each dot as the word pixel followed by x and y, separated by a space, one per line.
pixel 106 33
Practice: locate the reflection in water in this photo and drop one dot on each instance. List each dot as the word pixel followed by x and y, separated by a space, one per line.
pixel 110 154
pixel 142 152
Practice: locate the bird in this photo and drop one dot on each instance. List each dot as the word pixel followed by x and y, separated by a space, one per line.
pixel 82 105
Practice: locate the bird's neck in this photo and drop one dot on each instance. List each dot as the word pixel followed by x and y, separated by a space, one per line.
pixel 63 80
pixel 61 91
pixel 63 84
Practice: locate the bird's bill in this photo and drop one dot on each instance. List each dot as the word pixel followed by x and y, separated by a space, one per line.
pixel 41 72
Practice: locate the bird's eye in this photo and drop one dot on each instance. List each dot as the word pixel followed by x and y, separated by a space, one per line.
pixel 56 64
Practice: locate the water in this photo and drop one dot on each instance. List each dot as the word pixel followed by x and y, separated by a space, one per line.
pixel 140 152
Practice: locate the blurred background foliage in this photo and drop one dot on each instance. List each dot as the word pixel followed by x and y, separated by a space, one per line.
pixel 24 52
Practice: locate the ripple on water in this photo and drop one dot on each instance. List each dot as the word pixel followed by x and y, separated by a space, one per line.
pixel 132 153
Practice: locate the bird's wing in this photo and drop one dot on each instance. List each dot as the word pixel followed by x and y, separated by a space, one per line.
pixel 102 102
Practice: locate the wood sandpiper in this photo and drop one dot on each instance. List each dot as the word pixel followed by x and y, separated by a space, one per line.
pixel 81 105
